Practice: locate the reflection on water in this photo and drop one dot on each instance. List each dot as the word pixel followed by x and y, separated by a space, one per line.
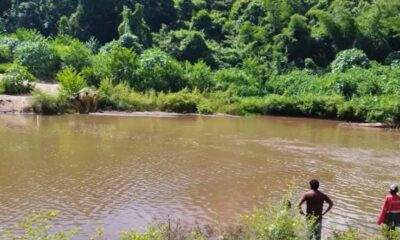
pixel 122 172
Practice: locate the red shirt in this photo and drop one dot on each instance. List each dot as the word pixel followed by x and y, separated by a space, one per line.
pixel 392 204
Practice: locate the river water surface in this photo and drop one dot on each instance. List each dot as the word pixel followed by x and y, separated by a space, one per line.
pixel 122 173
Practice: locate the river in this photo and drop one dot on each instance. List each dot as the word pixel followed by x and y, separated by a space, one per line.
pixel 123 172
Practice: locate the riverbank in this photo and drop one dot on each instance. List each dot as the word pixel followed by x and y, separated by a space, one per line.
pixel 25 105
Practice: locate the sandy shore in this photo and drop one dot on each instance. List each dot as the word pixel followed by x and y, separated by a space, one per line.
pixel 154 114
pixel 24 103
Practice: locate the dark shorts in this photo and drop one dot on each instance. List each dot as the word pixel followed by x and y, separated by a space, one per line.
pixel 314 228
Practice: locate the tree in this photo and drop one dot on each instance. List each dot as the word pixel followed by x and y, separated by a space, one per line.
pixel 187 45
pixel 158 12
pixel 185 9
pixel 134 23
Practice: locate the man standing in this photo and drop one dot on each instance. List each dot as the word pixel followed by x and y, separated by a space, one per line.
pixel 315 204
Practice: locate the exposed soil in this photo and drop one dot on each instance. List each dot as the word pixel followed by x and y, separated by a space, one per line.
pixel 24 103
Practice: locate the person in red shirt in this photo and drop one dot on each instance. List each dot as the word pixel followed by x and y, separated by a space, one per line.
pixel 315 200
pixel 390 214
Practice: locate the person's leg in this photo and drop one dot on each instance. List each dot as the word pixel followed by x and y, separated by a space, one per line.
pixel 318 229
pixel 314 229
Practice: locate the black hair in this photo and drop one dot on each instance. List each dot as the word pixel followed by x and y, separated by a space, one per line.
pixel 314 184
pixel 394 190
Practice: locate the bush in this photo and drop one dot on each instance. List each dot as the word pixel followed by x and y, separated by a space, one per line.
pixel 17 80
pixel 72 53
pixel 130 41
pixel 5 66
pixel 349 59
pixel 5 54
pixel 393 58
pixel 39 57
pixel 180 102
pixel 238 81
pixel 48 104
pixel 10 42
pixel 71 81
pixel 199 76
pixel 37 226
pixel 351 234
pixel 122 98
pixel 122 65
pixel 160 72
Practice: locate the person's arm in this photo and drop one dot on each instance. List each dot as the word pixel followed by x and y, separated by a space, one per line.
pixel 330 203
pixel 383 212
pixel 303 199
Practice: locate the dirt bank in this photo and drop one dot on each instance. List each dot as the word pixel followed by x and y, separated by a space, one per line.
pixel 24 103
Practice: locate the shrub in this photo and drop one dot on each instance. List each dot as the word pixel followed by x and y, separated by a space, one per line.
pixel 123 64
pixel 37 226
pixel 5 54
pixel 48 104
pixel 393 58
pixel 17 80
pixel 39 57
pixel 199 76
pixel 122 98
pixel 72 53
pixel 130 41
pixel 280 105
pixel 98 70
pixel 276 221
pixel 180 102
pixel 10 42
pixel 31 35
pixel 5 66
pixel 160 72
pixel 71 81
pixel 351 234
pixel 349 59
pixel 238 81
pixel 319 106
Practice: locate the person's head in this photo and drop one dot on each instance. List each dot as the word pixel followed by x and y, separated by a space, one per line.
pixel 394 189
pixel 314 184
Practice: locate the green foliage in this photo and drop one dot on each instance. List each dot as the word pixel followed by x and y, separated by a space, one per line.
pixel 130 41
pixel 71 81
pixel 17 80
pixel 187 45
pixel 122 98
pixel 72 52
pixel 39 57
pixel 49 104
pixel 38 226
pixel 134 23
pixel 349 59
pixel 5 66
pixel 123 64
pixel 5 54
pixel 180 102
pixel 351 234
pixel 160 72
pixel 239 81
pixel 199 76
pixel 10 42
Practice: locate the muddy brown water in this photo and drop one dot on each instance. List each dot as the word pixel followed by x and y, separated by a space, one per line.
pixel 122 172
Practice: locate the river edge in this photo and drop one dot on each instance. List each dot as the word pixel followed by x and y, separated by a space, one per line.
pixel 25 108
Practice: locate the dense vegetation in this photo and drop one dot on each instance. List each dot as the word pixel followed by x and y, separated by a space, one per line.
pixel 335 59
pixel 274 222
